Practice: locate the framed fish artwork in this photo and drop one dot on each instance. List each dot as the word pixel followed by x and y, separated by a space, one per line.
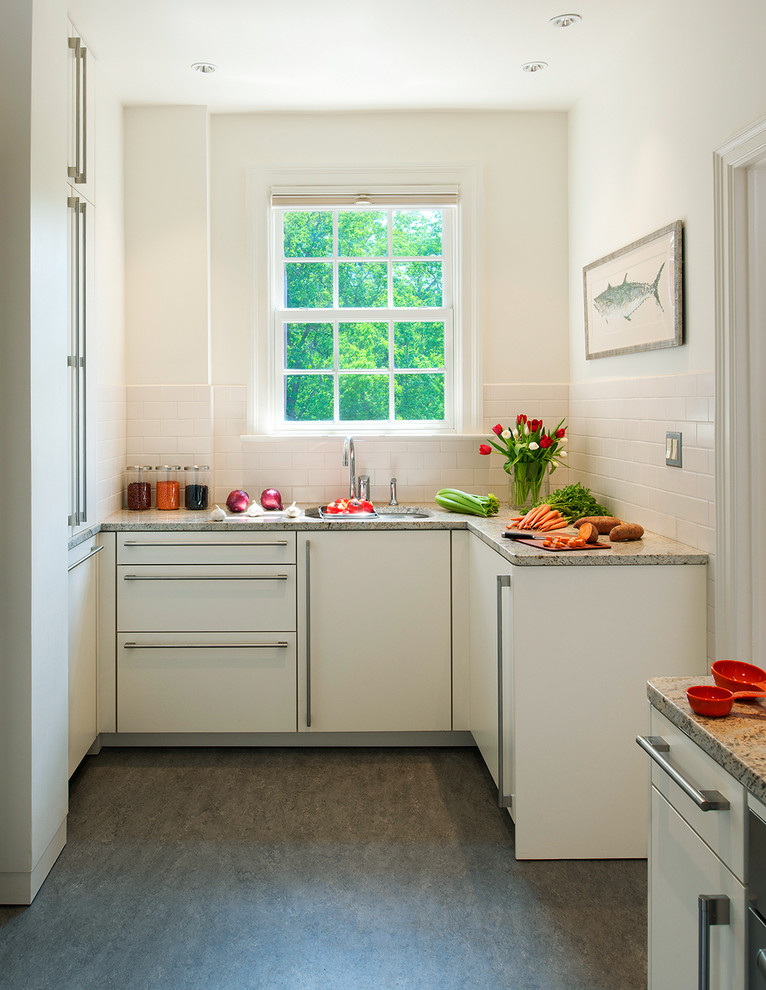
pixel 634 296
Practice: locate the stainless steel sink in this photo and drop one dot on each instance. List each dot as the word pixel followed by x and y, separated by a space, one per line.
pixel 392 513
pixel 386 513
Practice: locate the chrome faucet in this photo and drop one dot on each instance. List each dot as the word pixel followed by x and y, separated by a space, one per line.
pixel 348 461
pixel 393 492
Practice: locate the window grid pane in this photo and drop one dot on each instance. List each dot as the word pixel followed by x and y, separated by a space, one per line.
pixel 380 352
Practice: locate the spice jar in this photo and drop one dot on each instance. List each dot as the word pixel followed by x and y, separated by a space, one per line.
pixel 139 487
pixel 196 486
pixel 168 486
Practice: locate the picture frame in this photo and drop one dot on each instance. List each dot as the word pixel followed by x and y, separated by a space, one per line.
pixel 634 296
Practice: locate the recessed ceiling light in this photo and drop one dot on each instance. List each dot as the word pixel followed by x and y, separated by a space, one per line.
pixel 204 67
pixel 534 66
pixel 565 20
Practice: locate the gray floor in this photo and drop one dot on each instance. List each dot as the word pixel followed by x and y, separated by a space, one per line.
pixel 333 869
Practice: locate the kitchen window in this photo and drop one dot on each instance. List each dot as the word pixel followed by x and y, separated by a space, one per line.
pixel 364 300
pixel 364 315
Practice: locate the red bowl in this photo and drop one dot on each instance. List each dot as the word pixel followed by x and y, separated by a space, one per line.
pixel 736 675
pixel 704 699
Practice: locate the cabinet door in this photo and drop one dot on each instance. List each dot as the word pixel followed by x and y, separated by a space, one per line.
pixel 491 617
pixel 681 868
pixel 374 614
pixel 83 631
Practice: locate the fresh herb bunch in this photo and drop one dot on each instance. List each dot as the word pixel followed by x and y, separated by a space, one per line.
pixel 574 501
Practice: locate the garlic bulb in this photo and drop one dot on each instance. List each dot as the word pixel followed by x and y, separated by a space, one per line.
pixel 292 512
pixel 217 514
pixel 254 509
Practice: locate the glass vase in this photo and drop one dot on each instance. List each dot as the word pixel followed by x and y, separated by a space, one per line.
pixel 529 482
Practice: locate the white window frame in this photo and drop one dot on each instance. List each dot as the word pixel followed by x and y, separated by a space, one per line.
pixel 389 315
pixel 264 395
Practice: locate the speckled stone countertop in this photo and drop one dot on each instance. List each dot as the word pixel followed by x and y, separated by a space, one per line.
pixel 652 549
pixel 737 742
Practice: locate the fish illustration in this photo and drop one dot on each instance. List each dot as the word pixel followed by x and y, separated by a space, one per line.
pixel 624 299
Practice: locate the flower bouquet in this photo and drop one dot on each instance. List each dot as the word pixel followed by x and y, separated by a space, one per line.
pixel 531 453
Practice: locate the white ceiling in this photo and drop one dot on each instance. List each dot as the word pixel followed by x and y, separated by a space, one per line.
pixel 292 55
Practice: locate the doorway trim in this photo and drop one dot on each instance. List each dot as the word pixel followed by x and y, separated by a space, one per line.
pixel 733 401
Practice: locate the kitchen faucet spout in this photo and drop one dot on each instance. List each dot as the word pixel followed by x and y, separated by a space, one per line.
pixel 348 461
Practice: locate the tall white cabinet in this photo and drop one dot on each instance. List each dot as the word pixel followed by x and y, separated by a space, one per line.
pixel 559 659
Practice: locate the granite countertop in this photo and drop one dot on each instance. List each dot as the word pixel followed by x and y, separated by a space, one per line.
pixel 737 742
pixel 652 549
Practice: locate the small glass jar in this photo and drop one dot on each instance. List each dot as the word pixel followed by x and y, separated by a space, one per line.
pixel 138 494
pixel 168 486
pixel 196 488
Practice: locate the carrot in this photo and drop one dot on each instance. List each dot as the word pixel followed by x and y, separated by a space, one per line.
pixel 533 515
pixel 554 524
pixel 546 517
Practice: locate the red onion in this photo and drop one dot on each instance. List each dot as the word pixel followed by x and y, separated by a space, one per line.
pixel 271 499
pixel 237 500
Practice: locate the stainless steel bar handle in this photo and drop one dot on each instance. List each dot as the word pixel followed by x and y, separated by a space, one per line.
pixel 82 350
pixel 655 746
pixel 78 171
pixel 503 800
pixel 73 171
pixel 268 543
pixel 760 962
pixel 712 909
pixel 308 634
pixel 73 360
pixel 205 646
pixel 93 552
pixel 204 577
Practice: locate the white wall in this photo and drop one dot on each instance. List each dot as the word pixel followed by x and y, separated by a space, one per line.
pixel 523 293
pixel 641 145
pixel 33 510
pixel 166 245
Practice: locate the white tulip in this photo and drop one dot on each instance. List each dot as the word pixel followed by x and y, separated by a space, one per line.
pixel 506 434
pixel 533 445
pixel 563 453
pixel 526 429
pixel 516 433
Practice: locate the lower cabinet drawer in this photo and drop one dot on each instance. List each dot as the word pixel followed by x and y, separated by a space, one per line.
pixel 724 830
pixel 236 597
pixel 212 682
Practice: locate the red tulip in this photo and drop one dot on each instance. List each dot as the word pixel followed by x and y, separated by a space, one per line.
pixel 497 429
pixel 485 449
pixel 545 441
pixel 520 419
pixel 534 425
pixel 560 433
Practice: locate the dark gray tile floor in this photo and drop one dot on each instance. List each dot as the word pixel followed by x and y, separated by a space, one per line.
pixel 291 869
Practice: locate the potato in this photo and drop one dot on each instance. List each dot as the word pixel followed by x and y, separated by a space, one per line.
pixel 604 524
pixel 626 532
pixel 588 533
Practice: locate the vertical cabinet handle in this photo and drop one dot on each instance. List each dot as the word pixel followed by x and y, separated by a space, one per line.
pixel 76 361
pixel 78 171
pixel 308 634
pixel 711 910
pixel 504 800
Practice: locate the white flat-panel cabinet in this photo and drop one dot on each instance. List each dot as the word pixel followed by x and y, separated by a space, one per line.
pixel 683 869
pixel 578 645
pixel 694 854
pixel 374 647
pixel 82 579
